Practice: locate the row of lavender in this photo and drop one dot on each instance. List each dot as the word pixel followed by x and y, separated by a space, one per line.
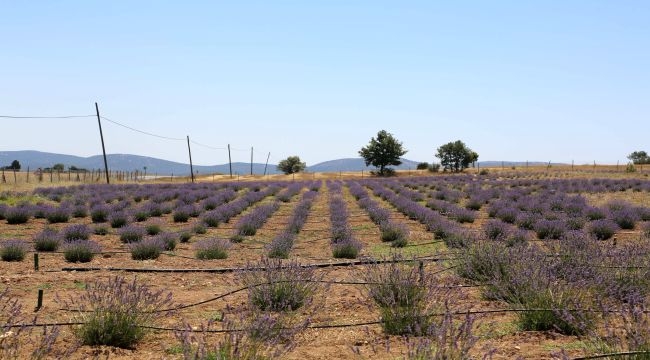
pixel 548 213
pixel 147 242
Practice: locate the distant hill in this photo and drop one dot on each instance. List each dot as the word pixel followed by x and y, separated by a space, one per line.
pixel 124 162
pixel 355 164
pixel 514 163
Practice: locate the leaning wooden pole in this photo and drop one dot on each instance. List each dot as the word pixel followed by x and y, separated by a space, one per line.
pixel 267 163
pixel 101 136
pixel 229 161
pixel 190 152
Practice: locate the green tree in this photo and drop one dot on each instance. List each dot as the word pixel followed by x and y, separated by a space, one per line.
pixel 291 165
pixel 383 151
pixel 456 156
pixel 15 165
pixel 639 157
pixel 58 167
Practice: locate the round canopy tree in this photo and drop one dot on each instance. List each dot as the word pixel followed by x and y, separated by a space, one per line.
pixel 15 165
pixel 639 157
pixel 291 165
pixel 456 156
pixel 383 151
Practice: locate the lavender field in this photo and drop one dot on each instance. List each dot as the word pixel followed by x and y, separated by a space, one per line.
pixel 444 267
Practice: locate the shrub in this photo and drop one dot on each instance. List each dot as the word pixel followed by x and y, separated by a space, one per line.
pixel 80 211
pixel 274 285
pixel 249 223
pixel 199 228
pixel 518 237
pixel 140 215
pixel 448 338
pixel 116 312
pixel 593 213
pixel 58 214
pixel 185 236
pixel 496 229
pixel 210 249
pixel 564 314
pixel 17 215
pixel 99 213
pixel 463 215
pixel 550 229
pixel 391 231
pixel 169 241
pixel 118 219
pixel 483 262
pixel 147 249
pixel 474 203
pixel 236 238
pixel 527 221
pixel 101 230
pixel 348 249
pixel 630 330
pixel 153 229
pixel 211 218
pixel 131 233
pixel 13 250
pixel 403 293
pixel 76 232
pixel 459 240
pixel 253 336
pixel 181 214
pixel 80 251
pixel 603 229
pixel 280 246
pixel 47 240
pixel 625 217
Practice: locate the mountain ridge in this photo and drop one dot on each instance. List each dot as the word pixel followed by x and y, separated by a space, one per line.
pixel 127 162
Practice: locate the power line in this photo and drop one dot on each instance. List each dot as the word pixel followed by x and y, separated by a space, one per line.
pixel 208 146
pixel 141 131
pixel 46 117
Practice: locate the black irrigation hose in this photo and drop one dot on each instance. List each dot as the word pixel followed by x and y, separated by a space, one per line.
pixel 621 355
pixel 229 270
pixel 335 326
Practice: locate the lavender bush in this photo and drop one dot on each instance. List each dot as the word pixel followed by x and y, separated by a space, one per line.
pixel 76 232
pixel 147 249
pixel 405 296
pixel 47 240
pixel 131 233
pixel 13 250
pixel 274 285
pixel 17 215
pixel 116 312
pixel 81 251
pixel 603 229
pixel 251 222
pixel 210 249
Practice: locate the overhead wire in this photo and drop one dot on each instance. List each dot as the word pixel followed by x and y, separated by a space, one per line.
pixel 126 127
pixel 141 131
pixel 46 117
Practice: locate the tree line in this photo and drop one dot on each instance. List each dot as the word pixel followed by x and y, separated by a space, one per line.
pixel 384 151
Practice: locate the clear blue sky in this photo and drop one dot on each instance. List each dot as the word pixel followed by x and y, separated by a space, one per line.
pixel 515 80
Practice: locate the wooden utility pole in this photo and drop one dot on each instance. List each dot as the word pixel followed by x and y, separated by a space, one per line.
pixel 190 152
pixel 251 160
pixel 267 162
pixel 101 136
pixel 229 161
